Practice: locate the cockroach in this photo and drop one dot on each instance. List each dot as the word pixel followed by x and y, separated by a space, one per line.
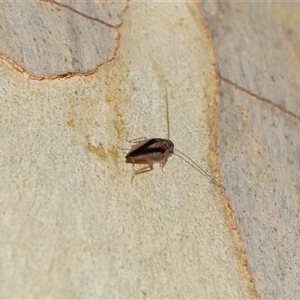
pixel 158 150
pixel 150 151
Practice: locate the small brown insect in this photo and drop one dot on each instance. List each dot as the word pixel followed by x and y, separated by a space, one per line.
pixel 148 152
pixel 158 150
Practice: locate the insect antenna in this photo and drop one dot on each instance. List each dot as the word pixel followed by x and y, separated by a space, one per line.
pixel 167 114
pixel 193 164
pixel 183 156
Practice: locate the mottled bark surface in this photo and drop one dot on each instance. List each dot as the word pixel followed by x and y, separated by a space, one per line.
pixel 258 121
pixel 78 79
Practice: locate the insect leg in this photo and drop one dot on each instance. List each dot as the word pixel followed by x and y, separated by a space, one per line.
pixel 142 170
pixel 135 141
pixel 164 161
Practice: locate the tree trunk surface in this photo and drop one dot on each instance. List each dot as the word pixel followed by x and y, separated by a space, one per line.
pixel 78 80
pixel 258 126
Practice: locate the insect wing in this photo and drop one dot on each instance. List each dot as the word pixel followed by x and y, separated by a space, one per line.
pixel 149 146
pixel 135 148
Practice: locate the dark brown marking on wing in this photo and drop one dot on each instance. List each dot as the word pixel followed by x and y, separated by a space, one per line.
pixel 149 151
pixel 151 146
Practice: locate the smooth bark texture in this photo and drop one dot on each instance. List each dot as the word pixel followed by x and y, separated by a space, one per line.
pixel 72 224
pixel 258 124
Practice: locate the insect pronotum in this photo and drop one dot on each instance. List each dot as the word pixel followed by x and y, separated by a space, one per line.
pixel 158 150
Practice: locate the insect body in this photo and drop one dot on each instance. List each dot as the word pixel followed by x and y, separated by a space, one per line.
pixel 150 151
pixel 158 150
